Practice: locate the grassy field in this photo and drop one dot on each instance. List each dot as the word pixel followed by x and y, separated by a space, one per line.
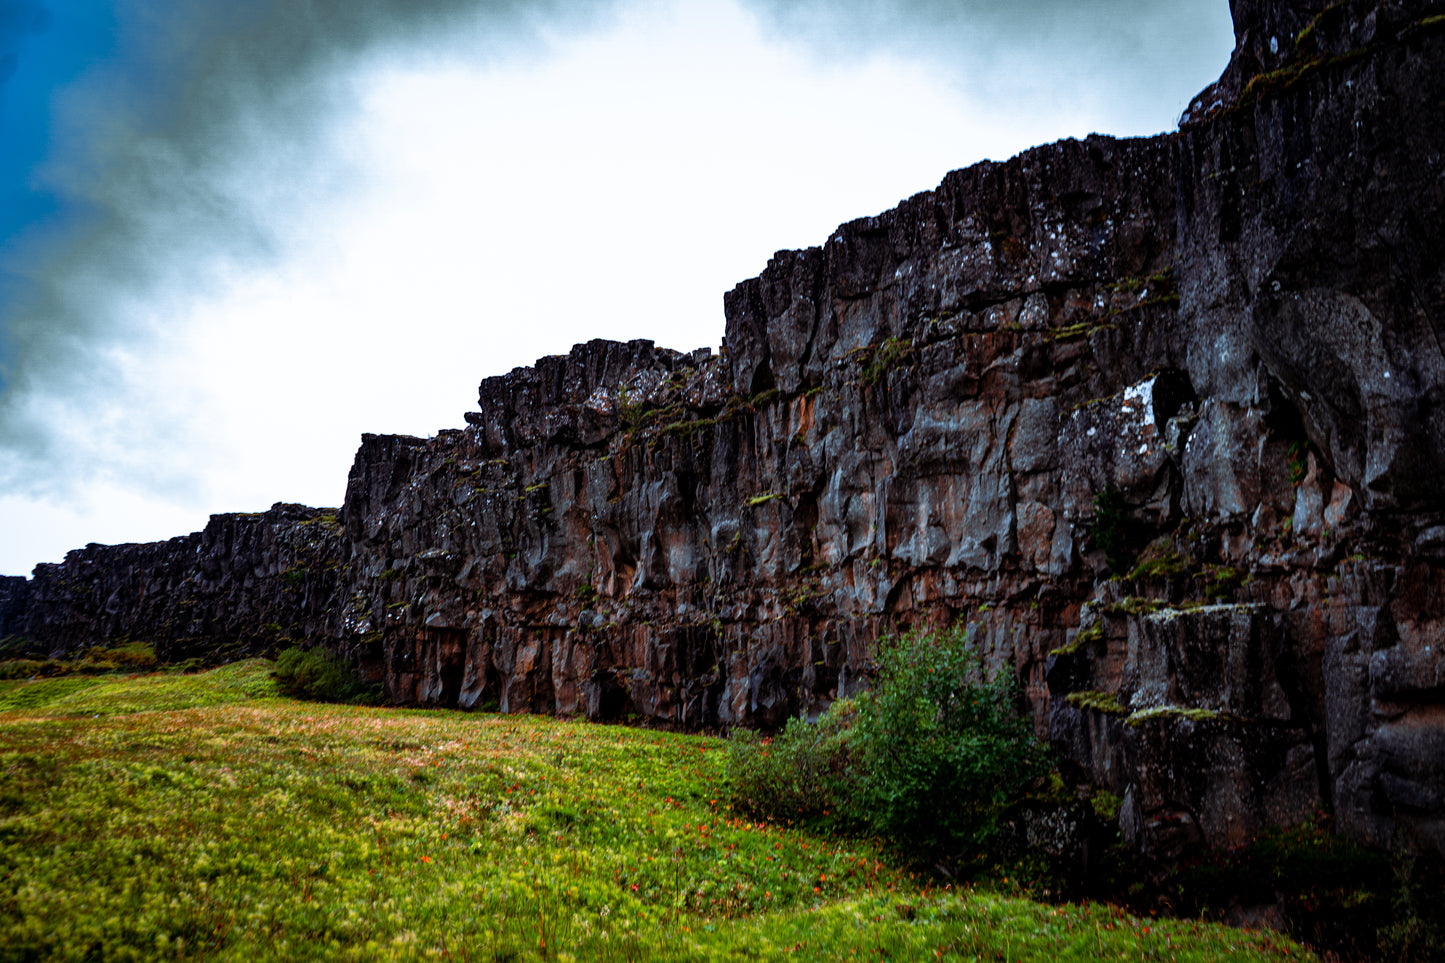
pixel 205 817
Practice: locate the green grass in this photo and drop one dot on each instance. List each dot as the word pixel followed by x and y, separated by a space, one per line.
pixel 203 816
pixel 99 660
pixel 99 695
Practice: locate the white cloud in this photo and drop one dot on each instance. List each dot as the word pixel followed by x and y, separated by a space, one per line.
pixel 466 216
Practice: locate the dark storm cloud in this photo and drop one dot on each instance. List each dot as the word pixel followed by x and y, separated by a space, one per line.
pixel 150 165
pixel 214 107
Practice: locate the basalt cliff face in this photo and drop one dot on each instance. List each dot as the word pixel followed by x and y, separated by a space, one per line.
pixel 1161 418
pixel 237 587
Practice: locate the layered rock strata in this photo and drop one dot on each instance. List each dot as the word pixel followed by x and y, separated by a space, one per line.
pixel 1160 418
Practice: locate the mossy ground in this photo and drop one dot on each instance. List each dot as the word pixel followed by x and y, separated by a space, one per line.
pixel 17 662
pixel 204 816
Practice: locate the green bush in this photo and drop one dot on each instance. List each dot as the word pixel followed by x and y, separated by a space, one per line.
pixel 127 658
pixel 931 757
pixel 1109 529
pixel 941 747
pixel 802 771
pixel 319 675
pixel 31 668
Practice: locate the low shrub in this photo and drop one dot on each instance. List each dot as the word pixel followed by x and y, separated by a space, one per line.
pixel 127 658
pixel 322 676
pixel 931 757
pixel 31 668
pixel 801 772
pixel 941 746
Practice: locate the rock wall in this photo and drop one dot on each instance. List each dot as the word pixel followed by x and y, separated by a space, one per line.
pixel 243 585
pixel 1161 418
pixel 1312 286
pixel 14 598
pixel 706 541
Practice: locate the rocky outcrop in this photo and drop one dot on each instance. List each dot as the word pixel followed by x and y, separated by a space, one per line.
pixel 1160 418
pixel 706 541
pixel 243 585
pixel 1311 288
pixel 14 599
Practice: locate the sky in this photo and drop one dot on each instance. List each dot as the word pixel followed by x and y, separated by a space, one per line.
pixel 235 236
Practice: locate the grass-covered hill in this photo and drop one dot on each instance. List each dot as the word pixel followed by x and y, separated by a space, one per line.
pixel 205 816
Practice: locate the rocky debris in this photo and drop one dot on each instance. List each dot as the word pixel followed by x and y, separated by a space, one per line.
pixel 1159 417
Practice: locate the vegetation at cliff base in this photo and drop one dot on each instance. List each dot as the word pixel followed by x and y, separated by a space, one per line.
pixel 323 676
pixel 941 744
pixel 17 661
pixel 931 757
pixel 209 817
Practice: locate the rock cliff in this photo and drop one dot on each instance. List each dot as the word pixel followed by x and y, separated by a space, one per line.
pixel 14 599
pixel 240 586
pixel 709 541
pixel 1161 418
